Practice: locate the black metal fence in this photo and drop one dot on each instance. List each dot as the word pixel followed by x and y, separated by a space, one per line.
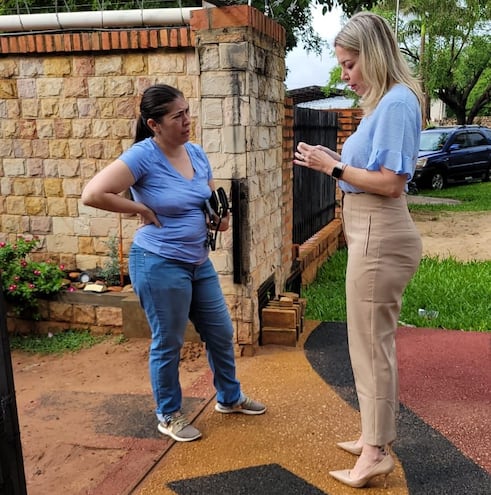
pixel 314 193
pixel 12 477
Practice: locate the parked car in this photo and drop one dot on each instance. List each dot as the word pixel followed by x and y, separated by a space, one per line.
pixel 453 154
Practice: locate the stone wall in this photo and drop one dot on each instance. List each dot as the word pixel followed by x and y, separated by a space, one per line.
pixel 68 103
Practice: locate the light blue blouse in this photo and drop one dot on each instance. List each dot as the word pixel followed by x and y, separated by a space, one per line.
pixel 388 137
pixel 178 202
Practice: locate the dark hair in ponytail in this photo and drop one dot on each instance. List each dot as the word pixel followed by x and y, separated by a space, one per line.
pixel 154 105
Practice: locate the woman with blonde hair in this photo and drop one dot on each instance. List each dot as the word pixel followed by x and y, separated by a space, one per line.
pixel 384 247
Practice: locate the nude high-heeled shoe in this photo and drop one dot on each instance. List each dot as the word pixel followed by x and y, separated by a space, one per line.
pixel 350 447
pixel 384 467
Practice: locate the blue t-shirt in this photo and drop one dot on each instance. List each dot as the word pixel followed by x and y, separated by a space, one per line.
pixel 178 202
pixel 388 137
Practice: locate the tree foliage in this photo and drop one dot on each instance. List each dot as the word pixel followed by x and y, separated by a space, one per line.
pixel 449 41
pixel 294 15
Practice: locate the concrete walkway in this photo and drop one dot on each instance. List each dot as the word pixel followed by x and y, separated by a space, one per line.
pixel 444 444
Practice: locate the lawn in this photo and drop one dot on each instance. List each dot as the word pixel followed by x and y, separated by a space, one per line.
pixel 451 293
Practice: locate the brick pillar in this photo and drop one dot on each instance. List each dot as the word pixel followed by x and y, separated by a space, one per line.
pixel 242 68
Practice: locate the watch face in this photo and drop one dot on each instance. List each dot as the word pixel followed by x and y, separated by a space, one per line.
pixel 84 277
pixel 337 172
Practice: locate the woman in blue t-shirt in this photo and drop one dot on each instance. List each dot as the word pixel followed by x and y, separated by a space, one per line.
pixel 170 179
pixel 384 247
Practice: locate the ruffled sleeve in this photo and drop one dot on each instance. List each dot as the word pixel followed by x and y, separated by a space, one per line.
pixel 396 138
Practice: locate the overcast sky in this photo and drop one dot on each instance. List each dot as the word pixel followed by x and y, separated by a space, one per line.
pixel 307 69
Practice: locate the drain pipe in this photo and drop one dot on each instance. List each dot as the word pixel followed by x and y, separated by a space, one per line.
pixel 95 20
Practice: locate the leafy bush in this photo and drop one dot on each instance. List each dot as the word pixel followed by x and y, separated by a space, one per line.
pixel 23 280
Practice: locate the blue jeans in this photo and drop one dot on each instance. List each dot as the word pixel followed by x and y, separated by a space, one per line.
pixel 171 293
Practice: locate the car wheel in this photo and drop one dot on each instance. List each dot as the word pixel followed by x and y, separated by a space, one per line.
pixel 487 175
pixel 412 188
pixel 438 181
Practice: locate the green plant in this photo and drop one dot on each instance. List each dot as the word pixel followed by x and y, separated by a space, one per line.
pixel 24 281
pixel 471 197
pixel 112 269
pixel 71 340
pixel 459 292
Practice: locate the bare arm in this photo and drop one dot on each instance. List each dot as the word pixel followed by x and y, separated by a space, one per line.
pixel 383 182
pixel 103 191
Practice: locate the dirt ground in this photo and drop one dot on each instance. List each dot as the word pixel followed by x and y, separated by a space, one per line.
pixel 81 413
pixel 465 236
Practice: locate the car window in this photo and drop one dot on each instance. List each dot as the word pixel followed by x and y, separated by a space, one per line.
pixel 477 139
pixel 432 141
pixel 461 140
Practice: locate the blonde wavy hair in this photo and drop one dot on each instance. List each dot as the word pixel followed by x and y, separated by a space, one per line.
pixel 381 62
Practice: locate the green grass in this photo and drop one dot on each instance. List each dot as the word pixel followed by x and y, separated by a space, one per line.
pixel 472 197
pixel 58 343
pixel 459 291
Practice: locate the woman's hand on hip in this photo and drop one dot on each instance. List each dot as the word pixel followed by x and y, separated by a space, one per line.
pixel 148 216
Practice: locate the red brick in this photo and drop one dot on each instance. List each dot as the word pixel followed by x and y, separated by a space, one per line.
pixel 143 39
pixel 164 37
pixel 173 40
pixel 4 44
pixel 40 46
pixel 134 39
pixel 49 42
pixel 86 41
pixel 58 39
pixel 96 41
pixel 114 36
pixel 106 41
pixel 67 43
pixel 153 38
pixel 31 43
pixel 22 42
pixel 184 36
pixel 124 40
pixel 76 42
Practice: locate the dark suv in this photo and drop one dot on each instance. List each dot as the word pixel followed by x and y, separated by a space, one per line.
pixel 453 154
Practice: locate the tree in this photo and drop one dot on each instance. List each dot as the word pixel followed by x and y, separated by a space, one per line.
pixel 450 43
pixel 294 15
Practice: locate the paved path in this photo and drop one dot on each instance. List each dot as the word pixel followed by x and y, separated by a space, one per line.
pixel 444 427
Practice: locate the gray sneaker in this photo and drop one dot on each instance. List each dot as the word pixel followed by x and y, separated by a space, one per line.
pixel 247 406
pixel 178 427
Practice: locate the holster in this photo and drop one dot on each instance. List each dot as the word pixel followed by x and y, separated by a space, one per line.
pixel 219 202
pixel 216 207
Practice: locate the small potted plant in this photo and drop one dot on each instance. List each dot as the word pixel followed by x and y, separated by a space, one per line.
pixel 111 272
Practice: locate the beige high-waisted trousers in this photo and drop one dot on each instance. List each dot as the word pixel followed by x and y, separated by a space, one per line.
pixel 384 250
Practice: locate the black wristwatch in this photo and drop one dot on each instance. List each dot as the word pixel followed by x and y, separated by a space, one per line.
pixel 338 170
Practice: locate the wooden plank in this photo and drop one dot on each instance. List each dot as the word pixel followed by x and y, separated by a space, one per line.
pixel 279 317
pixel 279 336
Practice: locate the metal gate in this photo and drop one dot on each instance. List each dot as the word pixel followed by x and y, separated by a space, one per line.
pixel 314 193
pixel 12 477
